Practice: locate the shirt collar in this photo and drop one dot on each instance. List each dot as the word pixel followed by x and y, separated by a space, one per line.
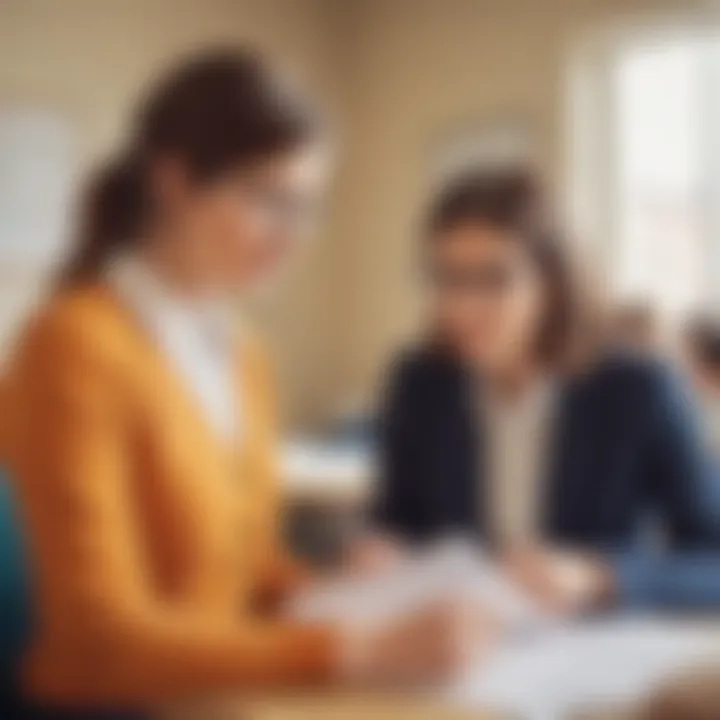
pixel 539 395
pixel 165 311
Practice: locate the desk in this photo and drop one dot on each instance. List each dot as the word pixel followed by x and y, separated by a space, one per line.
pixel 344 708
pixel 358 709
pixel 328 706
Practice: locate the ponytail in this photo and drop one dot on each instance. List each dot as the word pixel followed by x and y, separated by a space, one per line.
pixel 112 213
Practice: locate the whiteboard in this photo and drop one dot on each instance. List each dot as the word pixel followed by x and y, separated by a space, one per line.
pixel 38 174
pixel 38 170
pixel 489 145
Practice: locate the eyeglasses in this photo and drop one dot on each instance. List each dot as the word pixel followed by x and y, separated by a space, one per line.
pixel 281 206
pixel 489 280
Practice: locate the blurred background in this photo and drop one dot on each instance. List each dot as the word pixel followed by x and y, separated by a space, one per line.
pixel 616 102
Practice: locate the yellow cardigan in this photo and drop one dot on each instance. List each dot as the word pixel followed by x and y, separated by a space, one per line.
pixel 151 540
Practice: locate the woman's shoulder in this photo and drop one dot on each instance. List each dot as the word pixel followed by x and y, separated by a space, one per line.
pixel 421 375
pixel 81 321
pixel 631 375
pixel 421 361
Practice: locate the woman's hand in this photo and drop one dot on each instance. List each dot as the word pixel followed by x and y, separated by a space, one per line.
pixel 375 554
pixel 429 645
pixel 561 581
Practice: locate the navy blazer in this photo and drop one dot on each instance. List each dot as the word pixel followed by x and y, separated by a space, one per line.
pixel 626 453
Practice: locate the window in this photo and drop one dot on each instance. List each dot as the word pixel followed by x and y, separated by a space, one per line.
pixel 37 178
pixel 649 107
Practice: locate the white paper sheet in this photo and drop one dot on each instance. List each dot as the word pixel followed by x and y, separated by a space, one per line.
pixel 453 568
pixel 561 672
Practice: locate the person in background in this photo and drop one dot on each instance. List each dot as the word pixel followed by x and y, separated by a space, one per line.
pixel 514 423
pixel 635 328
pixel 138 427
pixel 702 350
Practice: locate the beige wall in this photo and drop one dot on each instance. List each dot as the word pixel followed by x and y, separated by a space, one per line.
pixel 402 75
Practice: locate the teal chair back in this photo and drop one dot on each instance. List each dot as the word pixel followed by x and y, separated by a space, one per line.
pixel 15 611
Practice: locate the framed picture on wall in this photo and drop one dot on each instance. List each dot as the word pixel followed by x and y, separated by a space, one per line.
pixel 491 143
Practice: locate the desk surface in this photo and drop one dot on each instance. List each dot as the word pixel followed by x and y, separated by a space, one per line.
pixel 328 706
pixel 358 709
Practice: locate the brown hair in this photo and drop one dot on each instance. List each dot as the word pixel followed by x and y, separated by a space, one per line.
pixel 514 200
pixel 702 336
pixel 216 110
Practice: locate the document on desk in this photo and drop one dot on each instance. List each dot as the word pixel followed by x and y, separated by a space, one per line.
pixel 565 672
pixel 543 670
pixel 452 569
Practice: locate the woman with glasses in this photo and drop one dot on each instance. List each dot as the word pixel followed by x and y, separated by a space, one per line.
pixel 138 429
pixel 513 423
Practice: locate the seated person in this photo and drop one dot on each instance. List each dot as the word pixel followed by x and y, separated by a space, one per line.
pixel 514 423
pixel 147 494
pixel 702 348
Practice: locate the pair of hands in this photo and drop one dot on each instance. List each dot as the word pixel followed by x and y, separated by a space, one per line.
pixel 428 645
pixel 561 581
pixel 437 641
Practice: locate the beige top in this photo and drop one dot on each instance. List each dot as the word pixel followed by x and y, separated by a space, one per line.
pixel 518 432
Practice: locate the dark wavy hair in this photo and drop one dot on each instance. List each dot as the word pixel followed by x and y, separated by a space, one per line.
pixel 217 110
pixel 702 336
pixel 514 200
